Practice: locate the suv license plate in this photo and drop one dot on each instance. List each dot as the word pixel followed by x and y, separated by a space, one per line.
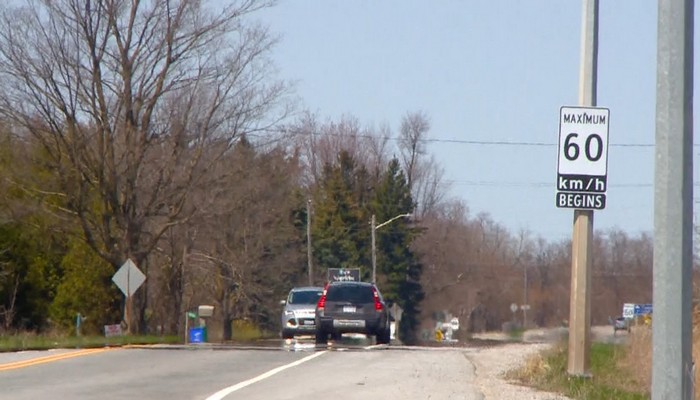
pixel 349 309
pixel 345 323
pixel 308 322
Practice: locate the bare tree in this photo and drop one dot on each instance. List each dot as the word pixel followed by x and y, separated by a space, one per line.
pixel 429 187
pixel 248 244
pixel 319 144
pixel 412 135
pixel 423 173
pixel 125 96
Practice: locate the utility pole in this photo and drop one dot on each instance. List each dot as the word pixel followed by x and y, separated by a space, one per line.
pixel 673 370
pixel 308 242
pixel 373 224
pixel 525 305
pixel 581 252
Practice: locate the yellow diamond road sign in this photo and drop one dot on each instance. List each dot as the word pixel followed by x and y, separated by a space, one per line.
pixel 129 278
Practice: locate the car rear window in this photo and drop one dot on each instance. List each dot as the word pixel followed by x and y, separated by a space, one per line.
pixel 304 297
pixel 350 293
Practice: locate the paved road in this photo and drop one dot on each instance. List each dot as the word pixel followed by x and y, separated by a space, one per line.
pixel 300 372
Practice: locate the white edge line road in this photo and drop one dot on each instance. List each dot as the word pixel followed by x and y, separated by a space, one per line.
pixel 226 391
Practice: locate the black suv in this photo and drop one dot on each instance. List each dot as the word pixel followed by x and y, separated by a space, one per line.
pixel 352 307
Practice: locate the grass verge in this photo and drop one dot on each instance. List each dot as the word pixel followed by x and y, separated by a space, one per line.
pixel 610 380
pixel 28 341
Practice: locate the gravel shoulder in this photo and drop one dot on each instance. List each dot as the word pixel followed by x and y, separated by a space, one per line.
pixel 492 363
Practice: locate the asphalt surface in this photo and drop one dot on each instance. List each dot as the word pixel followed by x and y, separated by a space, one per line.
pixel 275 369
pixel 287 370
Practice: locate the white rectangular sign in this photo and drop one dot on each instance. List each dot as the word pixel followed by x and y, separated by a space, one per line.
pixel 583 141
pixel 113 330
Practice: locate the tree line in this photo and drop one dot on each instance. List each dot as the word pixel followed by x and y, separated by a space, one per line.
pixel 159 132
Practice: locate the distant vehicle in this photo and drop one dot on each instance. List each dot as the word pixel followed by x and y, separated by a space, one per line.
pixel 298 315
pixel 621 324
pixel 352 307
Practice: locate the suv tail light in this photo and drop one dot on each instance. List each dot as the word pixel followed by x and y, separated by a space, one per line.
pixel 377 304
pixel 322 300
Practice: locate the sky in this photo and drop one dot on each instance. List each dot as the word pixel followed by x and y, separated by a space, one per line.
pixel 492 76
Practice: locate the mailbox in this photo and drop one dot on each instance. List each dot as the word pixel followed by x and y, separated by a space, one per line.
pixel 205 311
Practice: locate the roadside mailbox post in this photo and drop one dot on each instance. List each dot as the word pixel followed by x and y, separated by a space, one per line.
pixel 198 333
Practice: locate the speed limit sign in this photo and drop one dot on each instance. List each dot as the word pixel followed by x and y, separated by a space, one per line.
pixel 582 163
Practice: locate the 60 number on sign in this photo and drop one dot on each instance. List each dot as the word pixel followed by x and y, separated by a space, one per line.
pixel 593 147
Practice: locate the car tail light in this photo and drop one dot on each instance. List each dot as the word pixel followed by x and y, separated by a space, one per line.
pixel 322 300
pixel 377 304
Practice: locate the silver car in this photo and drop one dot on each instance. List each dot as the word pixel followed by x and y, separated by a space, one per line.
pixel 299 313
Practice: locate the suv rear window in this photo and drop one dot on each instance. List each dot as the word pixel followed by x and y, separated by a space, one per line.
pixel 351 293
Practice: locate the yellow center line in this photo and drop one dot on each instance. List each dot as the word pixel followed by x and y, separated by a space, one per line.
pixel 48 359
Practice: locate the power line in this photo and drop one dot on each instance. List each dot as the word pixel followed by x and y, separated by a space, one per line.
pixel 447 140
pixel 542 184
pixel 520 143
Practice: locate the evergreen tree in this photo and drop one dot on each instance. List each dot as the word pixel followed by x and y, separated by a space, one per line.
pixel 340 228
pixel 399 269
pixel 31 244
pixel 28 275
pixel 86 288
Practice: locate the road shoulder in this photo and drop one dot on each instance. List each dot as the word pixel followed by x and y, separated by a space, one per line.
pixel 492 363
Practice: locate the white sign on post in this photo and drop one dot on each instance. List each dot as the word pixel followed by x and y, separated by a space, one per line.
pixel 628 310
pixel 582 162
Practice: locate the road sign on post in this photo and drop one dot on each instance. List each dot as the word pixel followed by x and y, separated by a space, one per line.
pixel 592 148
pixel 343 275
pixel 582 163
pixel 643 309
pixel 128 278
pixel 628 310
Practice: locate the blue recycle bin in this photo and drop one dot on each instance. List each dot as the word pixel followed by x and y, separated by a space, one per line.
pixel 198 335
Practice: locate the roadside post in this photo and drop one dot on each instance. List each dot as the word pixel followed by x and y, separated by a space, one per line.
pixel 581 185
pixel 128 279
pixel 397 313
pixel 189 315
pixel 78 322
pixel 198 333
pixel 673 370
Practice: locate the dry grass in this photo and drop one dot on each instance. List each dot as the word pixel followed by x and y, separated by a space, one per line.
pixel 547 371
pixel 639 350
pixel 536 367
pixel 637 358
